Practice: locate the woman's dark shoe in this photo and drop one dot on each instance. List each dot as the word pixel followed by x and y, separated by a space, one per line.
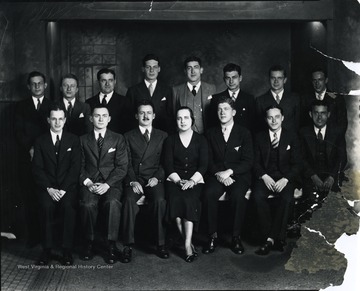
pixel 190 258
pixel 194 250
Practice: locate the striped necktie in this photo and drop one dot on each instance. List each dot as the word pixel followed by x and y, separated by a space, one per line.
pixel 275 141
pixel 100 142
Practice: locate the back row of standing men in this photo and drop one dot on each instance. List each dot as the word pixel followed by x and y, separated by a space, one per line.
pixel 200 97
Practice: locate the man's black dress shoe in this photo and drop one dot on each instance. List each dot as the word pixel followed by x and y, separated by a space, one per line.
pixel 87 253
pixel 264 249
pixel 111 257
pixel 236 246
pixel 162 252
pixel 127 255
pixel 67 259
pixel 44 258
pixel 210 246
pixel 190 258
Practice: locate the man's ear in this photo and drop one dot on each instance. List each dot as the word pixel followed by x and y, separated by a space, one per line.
pixel 45 85
pixel 310 114
pixel 201 70
pixel 234 112
pixel 136 116
pixel 91 119
pixel 48 120
pixel 285 79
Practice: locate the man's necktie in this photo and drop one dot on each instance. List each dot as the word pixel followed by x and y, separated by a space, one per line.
pixel 319 135
pixel 104 102
pixel 194 90
pixel 224 132
pixel 151 89
pixel 100 142
pixel 277 97
pixel 146 136
pixel 69 109
pixel 57 144
pixel 38 104
pixel 233 96
pixel 275 142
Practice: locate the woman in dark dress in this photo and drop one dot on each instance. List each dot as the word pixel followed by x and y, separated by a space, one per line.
pixel 186 160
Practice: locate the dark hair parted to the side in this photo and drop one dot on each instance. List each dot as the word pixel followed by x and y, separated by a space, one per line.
pixel 56 106
pixel 191 113
pixel 319 103
pixel 273 107
pixel 277 68
pixel 192 59
pixel 225 99
pixel 149 57
pixel 35 74
pixel 319 69
pixel 232 67
pixel 144 102
pixel 97 106
pixel 105 71
pixel 69 76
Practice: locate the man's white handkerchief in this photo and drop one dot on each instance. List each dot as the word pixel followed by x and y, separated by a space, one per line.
pixel 68 150
pixel 111 150
pixel 210 97
pixel 163 99
pixel 288 147
pixel 81 115
pixel 237 148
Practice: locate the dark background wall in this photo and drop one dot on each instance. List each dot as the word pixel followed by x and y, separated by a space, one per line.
pixel 81 37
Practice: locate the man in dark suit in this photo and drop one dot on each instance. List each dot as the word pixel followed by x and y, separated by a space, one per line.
pixel 104 166
pixel 230 163
pixel 277 164
pixel 323 148
pixel 155 90
pixel 145 177
pixel 119 106
pixel 56 167
pixel 244 103
pixel 289 102
pixel 78 113
pixel 30 123
pixel 337 108
pixel 195 94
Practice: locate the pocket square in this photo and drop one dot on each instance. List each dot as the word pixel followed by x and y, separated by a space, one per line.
pixel 81 115
pixel 237 148
pixel 288 147
pixel 210 97
pixel 111 150
pixel 163 99
pixel 68 150
pixel 244 109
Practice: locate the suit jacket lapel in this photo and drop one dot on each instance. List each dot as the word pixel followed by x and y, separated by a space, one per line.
pixel 330 141
pixel 51 148
pixel 107 143
pixel 92 144
pixel 63 146
pixel 220 142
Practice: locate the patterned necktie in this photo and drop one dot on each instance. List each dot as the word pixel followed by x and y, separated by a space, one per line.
pixel 146 136
pixel 104 102
pixel 194 90
pixel 38 104
pixel 100 142
pixel 275 142
pixel 151 89
pixel 319 135
pixel 233 96
pixel 57 144
pixel 277 99
pixel 69 109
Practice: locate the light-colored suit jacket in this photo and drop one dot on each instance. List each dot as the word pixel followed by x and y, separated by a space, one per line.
pixel 179 98
pixel 111 164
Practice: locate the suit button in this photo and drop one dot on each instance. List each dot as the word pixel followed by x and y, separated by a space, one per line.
pixel 186 165
pixel 140 164
pixel 185 172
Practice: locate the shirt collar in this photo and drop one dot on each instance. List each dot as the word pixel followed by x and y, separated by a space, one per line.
pixel 236 93
pixel 147 83
pixel 103 132
pixel 53 135
pixel 280 94
pixel 228 127
pixel 322 130
pixel 143 129
pixel 108 96
pixel 320 95
pixel 278 134
pixel 35 100
pixel 66 102
pixel 197 86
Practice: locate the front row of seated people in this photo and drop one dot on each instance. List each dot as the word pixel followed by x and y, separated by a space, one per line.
pixel 181 176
